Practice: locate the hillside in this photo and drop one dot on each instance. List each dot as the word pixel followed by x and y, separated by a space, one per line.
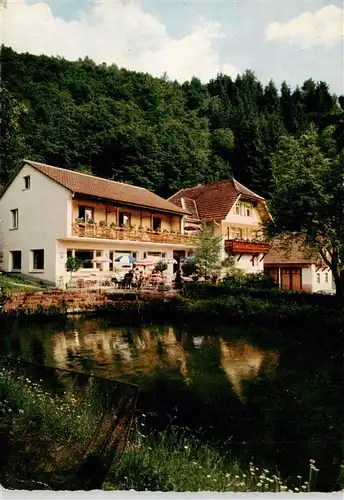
pixel 152 132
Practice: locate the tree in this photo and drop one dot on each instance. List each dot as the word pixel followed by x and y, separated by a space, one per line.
pixel 160 267
pixel 12 145
pixel 207 251
pixel 308 199
pixel 73 264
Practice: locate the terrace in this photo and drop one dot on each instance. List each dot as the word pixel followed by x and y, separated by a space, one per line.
pixel 112 232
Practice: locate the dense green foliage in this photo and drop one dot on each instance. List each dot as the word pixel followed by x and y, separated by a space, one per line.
pixel 308 197
pixel 152 132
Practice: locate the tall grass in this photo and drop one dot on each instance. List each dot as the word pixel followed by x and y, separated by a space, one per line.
pixel 174 460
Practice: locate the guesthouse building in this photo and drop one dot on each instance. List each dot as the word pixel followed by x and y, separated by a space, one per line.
pixel 49 213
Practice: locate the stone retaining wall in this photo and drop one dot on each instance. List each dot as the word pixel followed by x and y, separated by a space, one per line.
pixel 73 301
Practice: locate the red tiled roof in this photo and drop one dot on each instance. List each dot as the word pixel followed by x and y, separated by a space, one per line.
pixel 214 201
pixel 278 255
pixel 103 188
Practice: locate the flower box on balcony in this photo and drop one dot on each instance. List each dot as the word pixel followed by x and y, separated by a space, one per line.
pixel 250 247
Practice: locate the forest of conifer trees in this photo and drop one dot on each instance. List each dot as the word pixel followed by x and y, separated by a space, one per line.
pixel 152 132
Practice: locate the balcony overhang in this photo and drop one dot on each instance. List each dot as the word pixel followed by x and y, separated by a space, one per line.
pixel 127 243
pixel 125 236
pixel 246 247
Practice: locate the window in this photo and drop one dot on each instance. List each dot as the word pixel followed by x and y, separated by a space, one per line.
pixel 37 260
pixel 86 257
pixel 27 182
pixel 156 223
pixel 14 218
pixel 318 277
pixel 326 277
pixel 85 213
pixel 98 253
pixel 69 253
pixel 238 233
pixel 237 209
pixel 248 210
pixel 16 260
pixel 123 219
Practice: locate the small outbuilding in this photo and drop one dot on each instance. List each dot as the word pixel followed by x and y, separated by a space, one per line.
pixel 294 270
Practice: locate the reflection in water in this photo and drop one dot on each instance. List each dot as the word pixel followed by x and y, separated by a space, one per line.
pixel 241 361
pixel 157 348
pixel 144 352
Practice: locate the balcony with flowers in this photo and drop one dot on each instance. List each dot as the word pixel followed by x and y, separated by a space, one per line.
pixel 102 230
pixel 246 246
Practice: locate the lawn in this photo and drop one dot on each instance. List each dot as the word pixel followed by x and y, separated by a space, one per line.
pixel 12 283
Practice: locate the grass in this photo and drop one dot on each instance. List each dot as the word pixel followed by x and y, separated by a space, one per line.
pixel 43 430
pixel 66 416
pixel 48 428
pixel 13 283
pixel 175 461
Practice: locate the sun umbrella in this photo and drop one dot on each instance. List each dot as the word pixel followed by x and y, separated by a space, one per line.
pixel 125 260
pixel 188 259
pixel 146 262
pixel 168 260
pixel 101 259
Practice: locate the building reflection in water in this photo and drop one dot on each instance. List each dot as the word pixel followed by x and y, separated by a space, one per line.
pixel 149 350
pixel 241 361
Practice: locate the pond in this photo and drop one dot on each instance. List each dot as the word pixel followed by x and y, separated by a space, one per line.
pixel 276 397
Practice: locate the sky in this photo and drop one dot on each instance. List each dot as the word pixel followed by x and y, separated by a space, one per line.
pixel 277 39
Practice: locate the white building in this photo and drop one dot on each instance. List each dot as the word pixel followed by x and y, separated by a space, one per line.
pixel 236 214
pixel 49 213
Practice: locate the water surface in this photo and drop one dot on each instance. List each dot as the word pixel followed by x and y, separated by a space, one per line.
pixel 274 396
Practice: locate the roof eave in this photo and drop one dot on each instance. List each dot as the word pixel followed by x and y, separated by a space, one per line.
pixel 128 203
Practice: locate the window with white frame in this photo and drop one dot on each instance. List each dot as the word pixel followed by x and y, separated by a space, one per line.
pixel 27 182
pixel 318 277
pixel 238 233
pixel 237 209
pixel 14 218
pixel 37 262
pixel 86 257
pixel 248 210
pixel 86 213
pixel 16 260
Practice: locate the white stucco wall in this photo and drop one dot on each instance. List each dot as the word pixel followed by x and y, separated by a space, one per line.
pixel 245 263
pixel 248 224
pixel 323 284
pixel 44 216
pixel 306 277
pixel 234 218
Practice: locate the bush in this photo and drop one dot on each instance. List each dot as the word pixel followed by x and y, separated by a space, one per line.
pixel 253 280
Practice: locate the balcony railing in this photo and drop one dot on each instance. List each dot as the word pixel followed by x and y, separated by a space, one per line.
pixel 251 247
pixel 123 233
